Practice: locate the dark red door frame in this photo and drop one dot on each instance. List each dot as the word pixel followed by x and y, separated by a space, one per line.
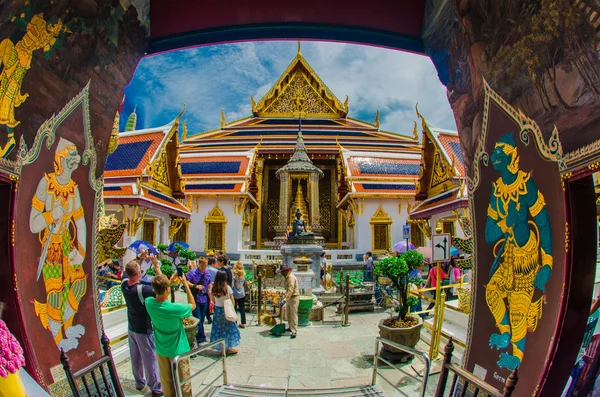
pixel 580 269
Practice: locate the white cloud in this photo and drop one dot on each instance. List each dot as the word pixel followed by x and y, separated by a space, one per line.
pixel 209 79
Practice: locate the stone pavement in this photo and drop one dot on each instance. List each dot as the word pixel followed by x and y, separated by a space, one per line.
pixel 321 356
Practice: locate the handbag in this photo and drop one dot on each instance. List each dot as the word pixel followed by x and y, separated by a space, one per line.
pixel 230 313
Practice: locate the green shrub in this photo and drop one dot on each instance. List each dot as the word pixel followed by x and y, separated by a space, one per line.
pixel 397 269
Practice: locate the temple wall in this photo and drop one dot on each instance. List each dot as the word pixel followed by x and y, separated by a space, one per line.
pixel 233 228
pixel 447 215
pixel 363 233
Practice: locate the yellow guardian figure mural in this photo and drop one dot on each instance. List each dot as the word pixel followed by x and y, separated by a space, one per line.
pixel 518 225
pixel 57 215
pixel 15 60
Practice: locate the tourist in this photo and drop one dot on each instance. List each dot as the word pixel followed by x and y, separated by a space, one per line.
pixel 212 271
pixel 432 282
pixel 222 264
pixel 167 322
pixel 454 274
pixel 223 328
pixel 239 292
pixel 323 268
pixel 114 272
pixel 415 279
pixel 200 279
pixel 145 265
pixel 292 299
pixel 368 261
pixel 141 337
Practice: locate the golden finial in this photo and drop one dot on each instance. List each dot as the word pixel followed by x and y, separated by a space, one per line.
pixel 299 53
pixel 222 118
pixel 149 169
pixel 113 142
pixel 346 104
pixel 377 119
pixel 185 132
pixel 415 133
pixel 423 122
pixel 253 103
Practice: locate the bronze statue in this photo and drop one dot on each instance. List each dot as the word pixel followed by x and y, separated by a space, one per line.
pixel 299 227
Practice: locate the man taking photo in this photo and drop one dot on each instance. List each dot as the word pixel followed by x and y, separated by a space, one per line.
pixel 141 337
pixel 167 322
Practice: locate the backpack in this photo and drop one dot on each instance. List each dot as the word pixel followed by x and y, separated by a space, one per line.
pixel 140 292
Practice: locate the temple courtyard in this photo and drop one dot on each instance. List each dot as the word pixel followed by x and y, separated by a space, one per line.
pixel 322 356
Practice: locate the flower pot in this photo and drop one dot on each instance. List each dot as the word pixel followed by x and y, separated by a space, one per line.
pixel 12 386
pixel 408 337
pixel 191 330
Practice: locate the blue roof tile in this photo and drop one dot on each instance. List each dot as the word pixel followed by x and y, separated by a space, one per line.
pixel 209 167
pixel 162 196
pixel 383 186
pixel 127 156
pixel 112 188
pixel 372 166
pixel 211 186
pixel 457 151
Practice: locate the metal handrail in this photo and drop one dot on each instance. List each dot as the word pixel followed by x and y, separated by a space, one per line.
pixel 178 383
pixel 422 355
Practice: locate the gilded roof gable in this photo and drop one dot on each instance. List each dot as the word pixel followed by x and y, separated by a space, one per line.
pixel 299 89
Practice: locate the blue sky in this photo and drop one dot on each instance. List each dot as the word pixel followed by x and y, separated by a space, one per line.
pixel 209 79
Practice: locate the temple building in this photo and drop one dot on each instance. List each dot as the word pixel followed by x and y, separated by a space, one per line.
pixel 143 186
pixel 221 189
pixel 441 194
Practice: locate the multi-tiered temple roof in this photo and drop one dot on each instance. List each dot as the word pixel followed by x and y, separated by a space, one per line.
pixel 371 161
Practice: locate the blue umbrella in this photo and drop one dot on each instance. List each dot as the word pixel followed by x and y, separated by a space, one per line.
pixel 454 251
pixel 139 245
pixel 181 243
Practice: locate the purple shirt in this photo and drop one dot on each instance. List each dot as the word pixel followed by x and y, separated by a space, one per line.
pixel 200 278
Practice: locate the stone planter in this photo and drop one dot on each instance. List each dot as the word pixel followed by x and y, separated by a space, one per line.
pixel 408 337
pixel 191 330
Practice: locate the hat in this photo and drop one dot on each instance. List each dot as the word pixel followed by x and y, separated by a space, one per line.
pixel 210 253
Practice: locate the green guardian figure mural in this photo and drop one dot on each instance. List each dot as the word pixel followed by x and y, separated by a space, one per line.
pixel 518 225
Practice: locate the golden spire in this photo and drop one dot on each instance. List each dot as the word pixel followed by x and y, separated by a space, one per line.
pixel 377 119
pixel 299 53
pixel 222 118
pixel 346 107
pixel 415 133
pixel 253 103
pixel 185 132
pixel 299 202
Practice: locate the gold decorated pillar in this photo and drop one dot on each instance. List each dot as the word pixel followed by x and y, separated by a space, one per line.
pixel 283 202
pixel 315 215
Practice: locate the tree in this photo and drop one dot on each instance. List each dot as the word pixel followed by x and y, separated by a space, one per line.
pixel 397 269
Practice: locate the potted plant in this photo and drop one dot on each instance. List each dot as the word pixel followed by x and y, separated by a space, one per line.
pixel 400 328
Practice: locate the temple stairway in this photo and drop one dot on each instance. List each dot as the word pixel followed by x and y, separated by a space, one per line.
pixel 115 326
pixel 455 325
